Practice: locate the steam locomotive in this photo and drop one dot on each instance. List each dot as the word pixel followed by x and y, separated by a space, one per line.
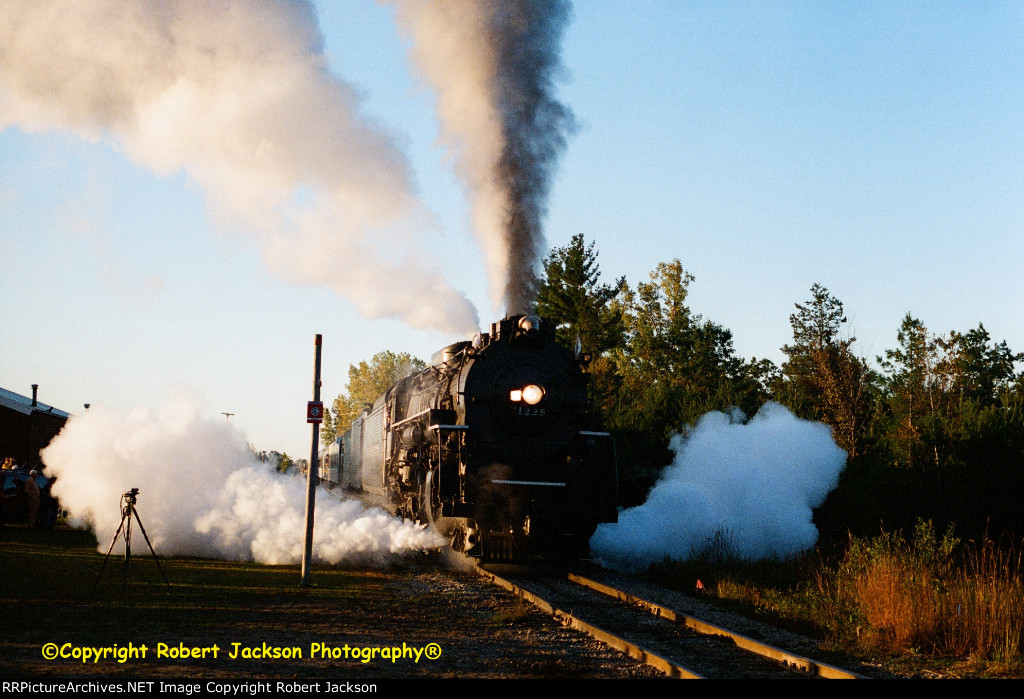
pixel 492 444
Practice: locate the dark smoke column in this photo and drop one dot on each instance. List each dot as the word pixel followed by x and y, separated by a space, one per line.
pixel 493 63
pixel 527 36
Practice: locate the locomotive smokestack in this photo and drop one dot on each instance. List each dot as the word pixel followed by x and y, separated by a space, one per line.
pixel 494 65
pixel 35 393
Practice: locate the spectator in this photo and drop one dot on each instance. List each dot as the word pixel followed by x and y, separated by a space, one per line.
pixel 32 496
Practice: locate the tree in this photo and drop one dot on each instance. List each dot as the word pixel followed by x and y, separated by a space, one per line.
pixel 973 368
pixel 953 414
pixel 816 327
pixel 935 386
pixel 825 380
pixel 673 366
pixel 911 390
pixel 281 462
pixel 665 343
pixel 572 298
pixel 365 383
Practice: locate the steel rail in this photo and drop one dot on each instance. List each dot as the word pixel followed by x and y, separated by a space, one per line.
pixel 791 660
pixel 618 643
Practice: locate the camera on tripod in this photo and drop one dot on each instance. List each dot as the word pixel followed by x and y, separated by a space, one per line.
pixel 129 511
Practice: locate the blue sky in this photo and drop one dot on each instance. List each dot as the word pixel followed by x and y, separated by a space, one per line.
pixel 875 148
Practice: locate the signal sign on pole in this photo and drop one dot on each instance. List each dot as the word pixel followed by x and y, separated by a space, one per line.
pixel 314 412
pixel 314 415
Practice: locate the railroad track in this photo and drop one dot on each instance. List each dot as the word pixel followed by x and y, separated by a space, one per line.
pixel 678 644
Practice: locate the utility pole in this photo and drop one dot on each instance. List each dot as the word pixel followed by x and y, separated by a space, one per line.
pixel 314 415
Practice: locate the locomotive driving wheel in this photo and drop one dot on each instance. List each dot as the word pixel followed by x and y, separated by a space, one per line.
pixel 429 500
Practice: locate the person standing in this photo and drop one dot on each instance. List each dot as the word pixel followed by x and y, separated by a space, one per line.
pixel 32 496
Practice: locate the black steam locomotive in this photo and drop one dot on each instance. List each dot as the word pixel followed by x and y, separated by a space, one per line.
pixel 492 444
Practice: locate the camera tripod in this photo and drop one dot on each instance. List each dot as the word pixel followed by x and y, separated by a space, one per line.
pixel 128 510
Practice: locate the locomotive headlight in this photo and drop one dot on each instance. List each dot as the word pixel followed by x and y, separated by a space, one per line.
pixel 532 394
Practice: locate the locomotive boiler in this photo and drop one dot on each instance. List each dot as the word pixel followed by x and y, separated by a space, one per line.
pixel 492 444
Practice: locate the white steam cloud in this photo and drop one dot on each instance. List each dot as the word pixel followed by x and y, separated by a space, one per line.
pixel 493 64
pixel 756 483
pixel 201 492
pixel 237 94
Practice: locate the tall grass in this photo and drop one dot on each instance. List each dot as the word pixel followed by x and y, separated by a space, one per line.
pixel 983 611
pixel 894 587
pixel 931 594
pixel 919 593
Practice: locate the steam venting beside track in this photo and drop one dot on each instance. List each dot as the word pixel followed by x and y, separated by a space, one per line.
pixel 737 488
pixel 203 493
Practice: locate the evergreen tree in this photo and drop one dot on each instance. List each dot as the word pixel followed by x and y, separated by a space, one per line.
pixel 284 463
pixel 816 331
pixel 974 369
pixel 825 380
pixel 572 297
pixel 911 393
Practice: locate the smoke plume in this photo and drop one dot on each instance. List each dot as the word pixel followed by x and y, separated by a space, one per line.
pixel 237 95
pixel 493 64
pixel 752 483
pixel 203 493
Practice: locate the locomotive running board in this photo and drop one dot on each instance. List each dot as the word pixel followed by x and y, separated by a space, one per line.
pixel 528 483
